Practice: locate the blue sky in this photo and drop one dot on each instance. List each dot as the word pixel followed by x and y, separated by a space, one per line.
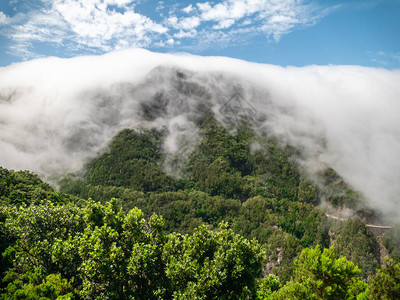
pixel 282 32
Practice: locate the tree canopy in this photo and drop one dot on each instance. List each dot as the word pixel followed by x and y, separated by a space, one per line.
pixel 241 221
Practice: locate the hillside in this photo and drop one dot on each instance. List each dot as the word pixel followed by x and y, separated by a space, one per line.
pixel 259 192
pixel 172 183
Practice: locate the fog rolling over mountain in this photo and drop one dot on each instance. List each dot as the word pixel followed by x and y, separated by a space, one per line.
pixel 57 113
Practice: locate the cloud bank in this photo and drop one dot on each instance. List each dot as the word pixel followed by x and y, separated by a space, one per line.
pixel 57 113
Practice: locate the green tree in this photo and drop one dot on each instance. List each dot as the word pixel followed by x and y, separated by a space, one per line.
pixel 132 161
pixel 121 255
pixel 36 229
pixel 99 252
pixel 356 242
pixel 212 265
pixel 294 290
pixel 24 187
pixel 391 241
pixel 307 193
pixel 269 285
pixel 385 284
pixel 216 178
pixel 320 274
pixel 34 285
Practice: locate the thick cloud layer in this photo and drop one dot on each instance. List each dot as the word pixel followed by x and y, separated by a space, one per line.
pixel 57 113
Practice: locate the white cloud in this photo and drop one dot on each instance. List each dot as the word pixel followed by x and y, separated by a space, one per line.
pixel 160 6
pixel 3 18
pixel 96 26
pixel 384 58
pixel 22 50
pixel 93 19
pixel 188 9
pixel 190 23
pixel 167 43
pixel 184 23
pixel 214 13
pixel 273 18
pixel 186 34
pixel 119 3
pixel 224 24
pixel 206 39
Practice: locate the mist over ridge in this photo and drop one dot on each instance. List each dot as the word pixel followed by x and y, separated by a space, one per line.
pixel 57 113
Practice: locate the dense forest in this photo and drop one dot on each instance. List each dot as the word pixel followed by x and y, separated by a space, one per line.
pixel 238 218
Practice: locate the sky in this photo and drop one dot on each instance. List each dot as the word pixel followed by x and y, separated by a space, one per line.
pixel 285 32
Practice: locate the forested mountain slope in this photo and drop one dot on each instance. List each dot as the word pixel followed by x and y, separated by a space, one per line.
pixel 251 182
pixel 211 186
pixel 235 186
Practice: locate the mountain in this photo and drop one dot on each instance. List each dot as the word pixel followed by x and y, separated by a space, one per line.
pixel 58 113
pixel 221 172
pixel 259 192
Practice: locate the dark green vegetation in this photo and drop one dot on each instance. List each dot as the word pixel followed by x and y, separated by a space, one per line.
pixel 240 222
pixel 391 241
pixel 24 187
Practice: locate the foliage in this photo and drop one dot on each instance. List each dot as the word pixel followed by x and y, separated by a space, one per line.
pixel 36 230
pixel 212 264
pixel 7 238
pixel 269 285
pixel 19 190
pixel 321 274
pixel 98 251
pixel 305 222
pixel 55 243
pixel 391 241
pixel 337 192
pixel 252 182
pixel 293 290
pixel 33 285
pixel 385 284
pixel 131 162
pixel 24 187
pixel 120 255
pixel 307 192
pixel 355 241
